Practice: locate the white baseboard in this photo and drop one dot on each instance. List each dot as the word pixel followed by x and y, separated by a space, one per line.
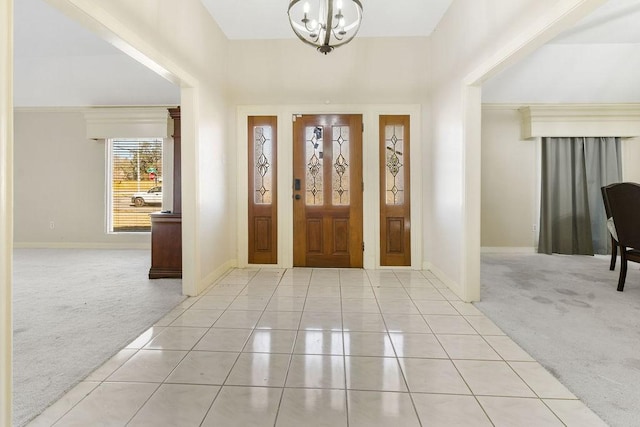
pixel 508 250
pixel 80 245
pixel 211 278
pixel 455 287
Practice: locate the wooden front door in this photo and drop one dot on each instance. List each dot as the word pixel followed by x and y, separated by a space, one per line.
pixel 327 191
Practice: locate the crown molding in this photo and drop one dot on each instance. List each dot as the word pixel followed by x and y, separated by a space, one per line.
pixel 573 120
pixel 501 106
pixel 49 109
pixel 79 108
pixel 127 122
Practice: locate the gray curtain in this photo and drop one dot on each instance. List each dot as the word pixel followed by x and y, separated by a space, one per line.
pixel 572 218
pixel 604 166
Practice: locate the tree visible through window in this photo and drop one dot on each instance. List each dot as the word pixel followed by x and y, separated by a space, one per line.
pixel 135 183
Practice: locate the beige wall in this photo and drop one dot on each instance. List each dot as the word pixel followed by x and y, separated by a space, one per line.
pixel 471 33
pixel 509 181
pixel 365 71
pixel 51 185
pixel 368 76
pixel 475 40
pixel 60 177
pixel 630 159
pixel 188 46
pixel 182 41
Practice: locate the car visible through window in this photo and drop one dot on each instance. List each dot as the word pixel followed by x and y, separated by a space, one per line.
pixel 151 197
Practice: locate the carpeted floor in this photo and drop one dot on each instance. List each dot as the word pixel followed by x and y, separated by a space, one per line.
pixel 565 311
pixel 73 310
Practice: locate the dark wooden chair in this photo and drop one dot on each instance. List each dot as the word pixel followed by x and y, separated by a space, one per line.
pixel 624 202
pixel 614 242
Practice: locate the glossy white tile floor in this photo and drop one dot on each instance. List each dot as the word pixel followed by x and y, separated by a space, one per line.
pixel 321 347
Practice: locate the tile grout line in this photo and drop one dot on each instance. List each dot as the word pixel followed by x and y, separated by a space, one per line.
pixel 387 334
pixel 286 376
pixel 206 414
pixel 209 329
pixel 463 378
pixel 344 354
pixel 145 402
pixel 413 403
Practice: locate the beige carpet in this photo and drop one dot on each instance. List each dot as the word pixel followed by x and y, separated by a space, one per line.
pixel 73 310
pixel 565 311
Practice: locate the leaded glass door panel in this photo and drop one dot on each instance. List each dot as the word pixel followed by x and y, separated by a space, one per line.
pixel 327 206
pixel 263 232
pixel 395 203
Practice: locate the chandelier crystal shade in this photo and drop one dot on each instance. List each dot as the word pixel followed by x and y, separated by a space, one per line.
pixel 325 24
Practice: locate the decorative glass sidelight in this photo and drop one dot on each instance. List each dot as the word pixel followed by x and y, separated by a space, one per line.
pixel 340 172
pixel 263 158
pixel 313 154
pixel 394 143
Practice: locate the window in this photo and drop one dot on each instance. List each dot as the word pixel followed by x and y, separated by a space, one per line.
pixel 134 183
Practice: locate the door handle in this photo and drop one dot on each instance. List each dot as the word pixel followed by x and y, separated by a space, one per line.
pixel 297 196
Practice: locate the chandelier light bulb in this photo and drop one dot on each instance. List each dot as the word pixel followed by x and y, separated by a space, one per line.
pixel 306 7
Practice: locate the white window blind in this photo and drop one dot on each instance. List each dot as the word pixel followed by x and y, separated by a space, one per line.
pixel 135 183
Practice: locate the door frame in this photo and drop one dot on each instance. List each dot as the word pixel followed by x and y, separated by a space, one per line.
pixel 370 160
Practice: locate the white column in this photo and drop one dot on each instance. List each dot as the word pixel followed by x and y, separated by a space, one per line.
pixel 6 205
pixel 189 119
pixel 472 118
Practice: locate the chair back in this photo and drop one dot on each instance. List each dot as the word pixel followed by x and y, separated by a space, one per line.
pixel 607 209
pixel 623 200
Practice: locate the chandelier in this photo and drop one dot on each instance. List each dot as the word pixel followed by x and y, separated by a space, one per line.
pixel 325 24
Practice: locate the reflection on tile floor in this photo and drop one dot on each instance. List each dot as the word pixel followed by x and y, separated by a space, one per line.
pixel 321 347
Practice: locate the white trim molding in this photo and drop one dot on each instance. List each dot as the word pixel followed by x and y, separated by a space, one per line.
pixel 136 122
pixel 81 245
pixel 574 120
pixel 6 211
pixel 83 108
pixel 455 287
pixel 216 275
pixel 508 250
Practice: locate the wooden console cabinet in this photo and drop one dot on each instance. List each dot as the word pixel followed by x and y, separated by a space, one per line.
pixel 166 245
pixel 166 227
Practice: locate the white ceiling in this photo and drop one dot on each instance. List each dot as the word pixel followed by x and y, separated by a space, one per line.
pixel 267 19
pixel 617 21
pixel 41 30
pixel 60 63
pixel 597 61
